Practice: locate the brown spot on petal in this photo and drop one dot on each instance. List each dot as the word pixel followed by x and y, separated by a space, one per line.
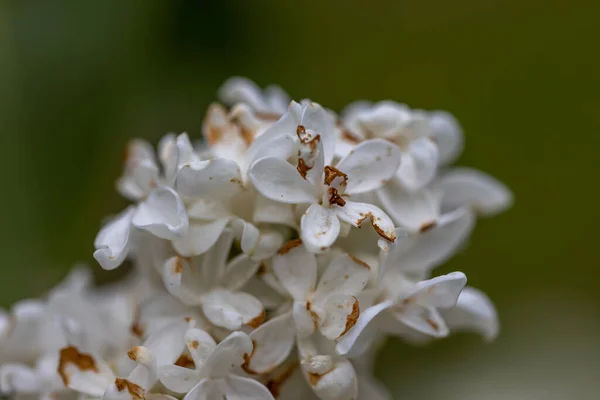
pixel 195 344
pixel 432 323
pixel 185 361
pixel 352 317
pixel 335 198
pixel 133 354
pixel 349 136
pixel 274 384
pixel 258 320
pixel 213 134
pixel 289 246
pixel 427 226
pixel 262 269
pixel 389 236
pixel 314 378
pixel 359 261
pixel 302 168
pixel 136 391
pixel 267 116
pixel 313 315
pixel 248 358
pixel 82 361
pixel 331 173
pixel 137 330
pixel 177 267
pixel 187 319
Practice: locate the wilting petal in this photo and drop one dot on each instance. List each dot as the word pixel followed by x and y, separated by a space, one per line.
pixel 278 180
pixel 178 379
pixel 162 214
pixel 84 372
pixel 200 237
pixel 238 272
pixel 447 134
pixel 356 213
pixel 412 210
pixel 469 187
pixel 344 275
pixel 342 311
pixel 320 228
pixel 473 312
pixel 273 342
pixel 240 388
pixel 182 282
pixel 419 164
pixel 231 310
pixel 422 252
pixel 228 354
pixel 112 242
pixel 124 389
pixel 295 269
pixel 317 119
pixel 370 165
pixel 218 178
pixel 357 340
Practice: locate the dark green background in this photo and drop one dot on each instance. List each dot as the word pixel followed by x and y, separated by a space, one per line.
pixel 78 79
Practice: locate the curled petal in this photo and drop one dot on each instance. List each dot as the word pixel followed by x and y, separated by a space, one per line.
pixel 320 228
pixel 342 312
pixel 112 242
pixel 469 187
pixel 278 180
pixel 356 213
pixel 358 339
pixel 441 291
pixel 473 312
pixel 447 134
pixel 162 214
pixel 370 165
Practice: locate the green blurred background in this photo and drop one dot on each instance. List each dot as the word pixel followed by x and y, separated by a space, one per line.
pixel 78 79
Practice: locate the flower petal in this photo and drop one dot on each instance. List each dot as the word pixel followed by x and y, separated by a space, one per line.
pixel 465 186
pixel 447 134
pixel 200 237
pixel 319 228
pixel 419 164
pixel 428 321
pixel 370 165
pixel 273 342
pixel 279 140
pixel 181 282
pixel 178 379
pixel 239 270
pixel 316 118
pixel 441 291
pixel 200 345
pixel 207 389
pixel 306 319
pixel 240 388
pixel 258 245
pixel 358 339
pixel 167 342
pixel 231 310
pixel 112 242
pixel 278 180
pixel 162 214
pixel 18 379
pixel 84 372
pixel 242 90
pixel 228 354
pixel 339 383
pixel 342 311
pixel 412 210
pixel 473 312
pixel 274 212
pixel 356 213
pixel 345 275
pixel 218 178
pixel 296 269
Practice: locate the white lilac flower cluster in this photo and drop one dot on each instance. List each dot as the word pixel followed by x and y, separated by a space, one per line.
pixel 250 278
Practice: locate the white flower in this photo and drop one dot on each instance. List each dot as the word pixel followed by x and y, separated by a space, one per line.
pixel 212 376
pixel 327 189
pixel 242 90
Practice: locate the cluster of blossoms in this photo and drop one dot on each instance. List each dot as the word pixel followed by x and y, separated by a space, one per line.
pixel 250 279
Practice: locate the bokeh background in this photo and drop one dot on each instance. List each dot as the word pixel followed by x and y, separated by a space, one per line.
pixel 79 79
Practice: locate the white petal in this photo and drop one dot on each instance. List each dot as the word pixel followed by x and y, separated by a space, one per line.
pixel 214 261
pixel 473 312
pixel 279 140
pixel 242 90
pixel 356 213
pixel 238 272
pixel 316 118
pixel 167 154
pixel 141 171
pixel 167 343
pixel 200 237
pixel 370 165
pixel 412 210
pixel 200 345
pixel 422 252
pixel 306 319
pixel 218 178
pixel 441 291
pixel 112 242
pixel 447 134
pixel 162 214
pixel 465 186
pixel 344 275
pixel 207 389
pixel 273 342
pixel 182 282
pixel 230 353
pixel 178 379
pixel 278 180
pixel 208 209
pixel 342 312
pixel 83 372
pixel 18 379
pixel 357 340
pixel 185 151
pixel 320 228
pixel 258 245
pixel 419 164
pixel 296 269
pixel 428 321
pixel 231 310
pixel 339 383
pixel 269 211
pixel 240 388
